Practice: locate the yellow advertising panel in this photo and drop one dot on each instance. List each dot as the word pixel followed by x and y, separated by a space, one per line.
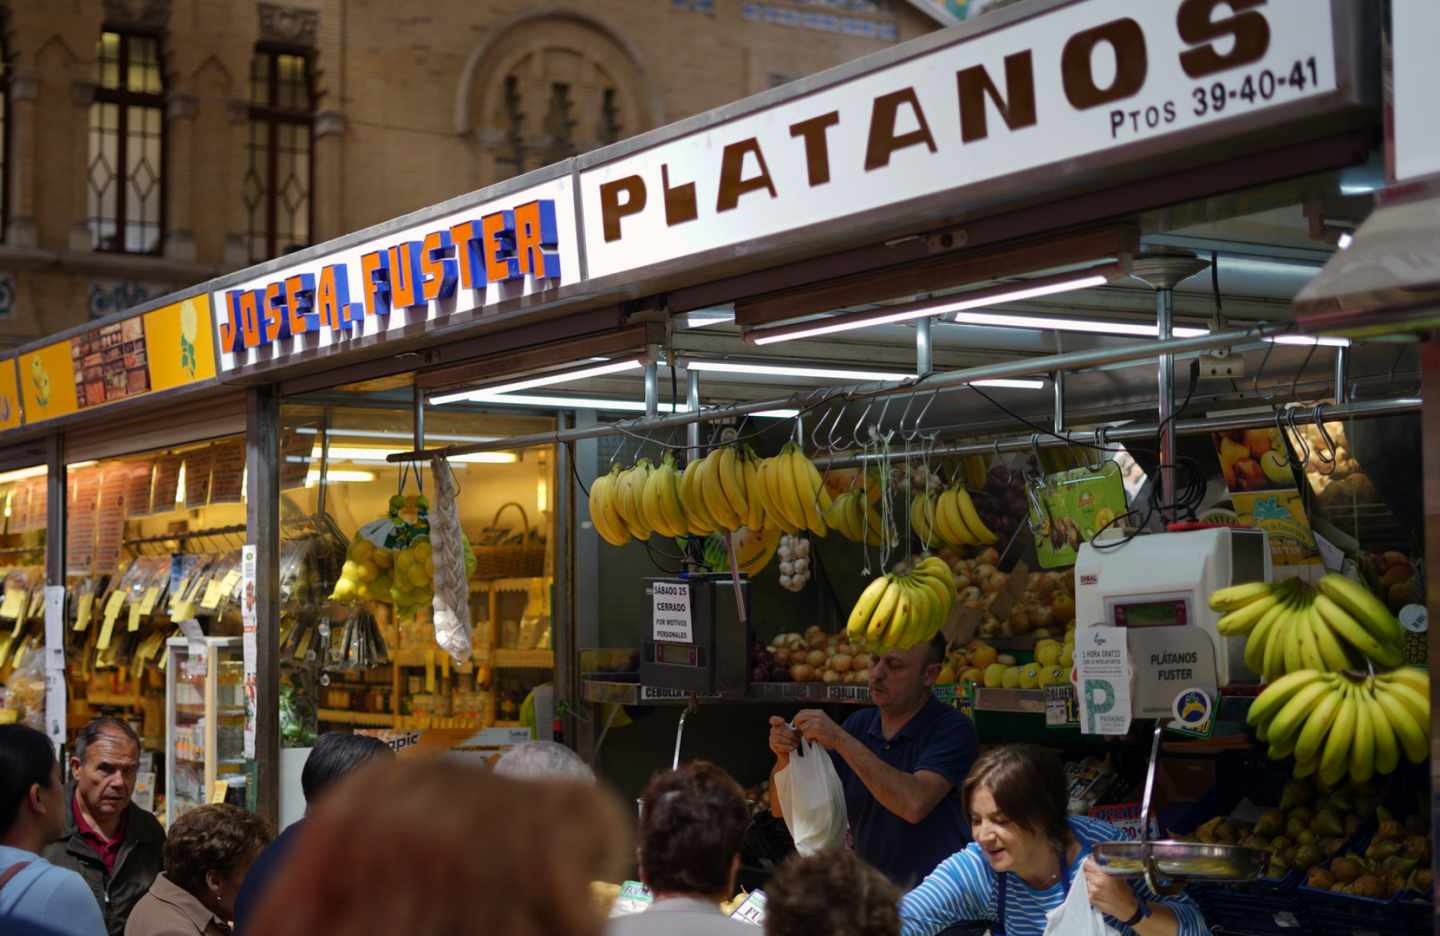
pixel 9 395
pixel 47 382
pixel 180 342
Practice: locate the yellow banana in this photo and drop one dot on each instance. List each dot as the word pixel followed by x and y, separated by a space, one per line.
pixel 696 513
pixel 1243 619
pixel 944 594
pixel 951 525
pixel 865 606
pixel 804 495
pixel 712 490
pixel 884 612
pixel 1309 647
pixel 732 482
pixel 651 507
pixel 670 504
pixel 1260 636
pixel 972 519
pixel 1336 659
pixel 1238 596
pixel 1275 695
pixel 921 518
pixel 1341 621
pixel 781 493
pixel 1292 660
pixel 1290 718
pixel 1387 746
pixel 1317 725
pixel 1414 737
pixel 755 518
pixel 1363 606
pixel 976 471
pixel 900 621
pixel 778 506
pixel 1335 758
pixel 1412 676
pixel 1414 702
pixel 602 511
pixel 1362 749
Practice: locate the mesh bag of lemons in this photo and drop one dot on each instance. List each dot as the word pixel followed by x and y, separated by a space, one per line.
pixel 390 559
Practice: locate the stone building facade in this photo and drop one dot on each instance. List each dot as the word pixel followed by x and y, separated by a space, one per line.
pixel 149 144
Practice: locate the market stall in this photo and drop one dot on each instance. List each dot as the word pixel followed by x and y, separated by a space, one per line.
pixel 954 339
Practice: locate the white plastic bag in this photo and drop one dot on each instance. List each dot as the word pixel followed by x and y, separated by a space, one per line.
pixel 1075 917
pixel 812 800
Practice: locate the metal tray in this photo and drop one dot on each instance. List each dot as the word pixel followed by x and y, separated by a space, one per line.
pixel 1188 861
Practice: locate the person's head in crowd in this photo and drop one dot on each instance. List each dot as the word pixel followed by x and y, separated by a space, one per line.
pixel 543 760
pixel 1017 799
pixel 105 762
pixel 833 892
pixel 428 845
pixel 692 823
pixel 900 680
pixel 337 753
pixel 32 798
pixel 208 851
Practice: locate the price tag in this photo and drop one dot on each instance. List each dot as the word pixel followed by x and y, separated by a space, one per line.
pixel 148 600
pixel 211 599
pixel 113 606
pixel 752 910
pixel 182 610
pixel 104 642
pixel 656 694
pixel 37 603
pixel 218 791
pixel 14 604
pixel 83 611
pixel 228 583
pixel 134 622
pixel 1062 708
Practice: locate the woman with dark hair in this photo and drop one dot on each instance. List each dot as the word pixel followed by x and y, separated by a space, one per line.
pixel 1025 855
pixel 207 853
pixel 832 892
pixel 432 846
pixel 692 821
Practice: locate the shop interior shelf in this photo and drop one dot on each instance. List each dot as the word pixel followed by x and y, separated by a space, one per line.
pixel 113 699
pixel 524 659
pixel 340 716
pixel 1018 701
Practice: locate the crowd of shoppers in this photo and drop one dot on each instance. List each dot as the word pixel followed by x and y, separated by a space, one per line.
pixel 429 845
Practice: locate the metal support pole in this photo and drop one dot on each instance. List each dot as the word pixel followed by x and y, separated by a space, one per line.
pixel 1342 374
pixel 924 354
pixel 1059 379
pixel 1165 321
pixel 262 520
pixel 56 486
pixel 692 402
pixel 418 403
pixel 562 602
pixel 652 389
pixel 1430 454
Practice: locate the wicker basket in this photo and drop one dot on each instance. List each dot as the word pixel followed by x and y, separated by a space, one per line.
pixel 504 553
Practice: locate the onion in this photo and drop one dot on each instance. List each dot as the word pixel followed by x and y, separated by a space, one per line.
pixel 785 578
pixel 781 657
pixel 802 673
pixel 802 548
pixel 860 661
pixel 815 658
pixel 817 641
pixel 861 675
pixel 830 676
pixel 840 663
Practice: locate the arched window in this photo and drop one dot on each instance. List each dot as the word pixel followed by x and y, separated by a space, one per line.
pixel 126 172
pixel 547 87
pixel 279 177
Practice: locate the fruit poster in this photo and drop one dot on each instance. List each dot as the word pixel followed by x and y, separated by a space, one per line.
pixel 1261 478
pixel 1077 504
pixel 180 341
pixel 110 363
pixel 47 382
pixel 9 396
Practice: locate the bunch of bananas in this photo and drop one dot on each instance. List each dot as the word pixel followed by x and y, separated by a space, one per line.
pixel 791 490
pixel 615 508
pixel 1335 723
pixel 853 513
pixel 898 611
pixel 949 518
pixel 1292 626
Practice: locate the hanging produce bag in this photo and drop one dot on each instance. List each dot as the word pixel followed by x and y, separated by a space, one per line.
pixel 1076 917
pixel 449 551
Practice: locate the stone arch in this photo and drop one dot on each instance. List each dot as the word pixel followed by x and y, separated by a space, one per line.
pixel 538 63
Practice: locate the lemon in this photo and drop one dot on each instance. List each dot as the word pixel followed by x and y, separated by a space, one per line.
pixel 995 675
pixel 1030 676
pixel 1012 677
pixel 367 571
pixel 1053 676
pixel 1047 652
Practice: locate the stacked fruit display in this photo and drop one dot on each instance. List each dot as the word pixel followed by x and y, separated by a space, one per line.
pixel 901 610
pixel 1390 574
pixel 1054 665
pixel 813 656
pixel 1040 604
pixel 855 515
pixel 1291 626
pixel 1335 724
pixel 1397 858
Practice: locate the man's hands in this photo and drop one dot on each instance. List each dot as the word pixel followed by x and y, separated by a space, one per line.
pixel 783 739
pixel 815 725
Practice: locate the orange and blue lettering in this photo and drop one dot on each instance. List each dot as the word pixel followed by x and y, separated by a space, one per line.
pixel 333 296
pixel 497 233
pixel 375 281
pixel 405 275
pixel 231 338
pixel 468 256
pixel 437 266
pixel 300 301
pixel 247 303
pixel 276 315
pixel 536 238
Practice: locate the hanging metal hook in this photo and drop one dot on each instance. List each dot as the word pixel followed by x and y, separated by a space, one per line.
pixel 832 444
pixel 1035 451
pixel 1280 428
pixel 1255 381
pixel 1301 372
pixel 1009 475
pixel 880 421
pixel 1325 459
pixel 855 433
pixel 1099 449
pixel 1299 437
pixel 815 442
pixel 915 428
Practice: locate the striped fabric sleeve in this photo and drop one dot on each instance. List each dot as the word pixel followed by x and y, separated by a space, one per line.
pixel 1187 915
pixel 962 887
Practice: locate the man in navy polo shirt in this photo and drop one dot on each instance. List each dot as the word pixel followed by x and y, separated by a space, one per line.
pixel 901 763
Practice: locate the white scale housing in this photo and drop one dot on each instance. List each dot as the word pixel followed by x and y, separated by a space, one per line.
pixel 1165 580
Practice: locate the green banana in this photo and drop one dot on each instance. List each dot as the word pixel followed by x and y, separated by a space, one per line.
pixel 1239 596
pixel 1270 701
pixel 1363 606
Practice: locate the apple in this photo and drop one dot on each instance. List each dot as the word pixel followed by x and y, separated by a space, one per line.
pixel 1260 441
pixel 1276 467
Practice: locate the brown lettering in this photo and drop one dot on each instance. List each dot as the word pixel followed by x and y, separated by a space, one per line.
pixel 612 209
pixel 1127 40
pixel 817 148
pixel 883 142
pixel 1017 112
pixel 1198 27
pixel 679 201
pixel 732 164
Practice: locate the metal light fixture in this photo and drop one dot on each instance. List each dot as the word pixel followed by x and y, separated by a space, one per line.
pixel 545 380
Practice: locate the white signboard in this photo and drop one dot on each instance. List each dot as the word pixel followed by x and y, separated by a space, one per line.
pixel 1414 38
pixel 459 262
pixel 55 705
pixel 1102 674
pixel 1167 660
pixel 672 613
pixel 1078 80
pixel 248 625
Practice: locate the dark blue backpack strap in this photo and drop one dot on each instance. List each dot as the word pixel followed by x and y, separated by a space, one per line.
pixel 1000 889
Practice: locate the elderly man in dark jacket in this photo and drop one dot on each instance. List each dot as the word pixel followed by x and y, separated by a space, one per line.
pixel 117 847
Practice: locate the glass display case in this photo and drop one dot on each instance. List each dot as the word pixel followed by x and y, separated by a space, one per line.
pixel 204 721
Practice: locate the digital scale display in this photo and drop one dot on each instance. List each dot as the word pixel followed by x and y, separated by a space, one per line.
pixel 1170 612
pixel 677 654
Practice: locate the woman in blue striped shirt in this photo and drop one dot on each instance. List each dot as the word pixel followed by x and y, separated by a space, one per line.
pixel 1024 856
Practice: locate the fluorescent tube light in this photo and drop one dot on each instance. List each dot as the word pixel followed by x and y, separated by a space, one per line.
pixel 1306 341
pixel 21 474
pixel 392 434
pixel 1014 292
pixel 484 458
pixel 776 414
pixel 1009 383
pixel 376 456
pixel 703 317
pixel 564 402
pixel 786 370
pixel 1091 326
pixel 613 367
pixel 336 476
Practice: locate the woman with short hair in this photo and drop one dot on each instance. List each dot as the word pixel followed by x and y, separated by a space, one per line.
pixel 832 892
pixel 1026 853
pixel 207 853
pixel 692 822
